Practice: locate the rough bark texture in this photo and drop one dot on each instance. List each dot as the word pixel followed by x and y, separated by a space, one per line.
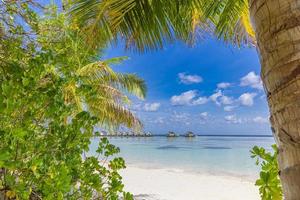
pixel 277 26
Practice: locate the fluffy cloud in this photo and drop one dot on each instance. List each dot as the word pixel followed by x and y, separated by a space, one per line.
pixel 223 85
pixel 188 98
pixel 189 79
pixel 252 80
pixel 200 101
pixel 229 108
pixel 214 97
pixel 225 100
pixel 247 99
pixel 151 107
pixel 232 119
pixel 260 120
pixel 184 98
pixel 204 115
pixel 221 99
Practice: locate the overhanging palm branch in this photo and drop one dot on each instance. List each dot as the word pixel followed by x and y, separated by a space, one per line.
pixel 148 24
pixel 102 92
pixel 143 24
pixel 231 19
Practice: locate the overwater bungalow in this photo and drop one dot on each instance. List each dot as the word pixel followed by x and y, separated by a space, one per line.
pixel 171 134
pixel 189 134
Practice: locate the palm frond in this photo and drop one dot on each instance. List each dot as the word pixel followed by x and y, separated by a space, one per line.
pixel 100 73
pixel 115 60
pixel 142 24
pixel 111 113
pixel 231 20
pixel 103 92
pixel 132 84
pixel 109 91
pixel 98 17
pixel 148 24
pixel 96 71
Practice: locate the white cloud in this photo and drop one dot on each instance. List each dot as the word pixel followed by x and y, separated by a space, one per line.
pixel 226 100
pixel 232 119
pixel 184 98
pixel 188 98
pixel 260 120
pixel 247 99
pixel 214 97
pixel 223 85
pixel 229 108
pixel 189 79
pixel 200 101
pixel 221 99
pixel 151 107
pixel 204 115
pixel 252 80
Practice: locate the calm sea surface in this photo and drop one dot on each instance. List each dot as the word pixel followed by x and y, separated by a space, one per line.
pixel 203 154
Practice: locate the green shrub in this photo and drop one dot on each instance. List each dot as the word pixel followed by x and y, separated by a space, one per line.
pixel 45 127
pixel 268 182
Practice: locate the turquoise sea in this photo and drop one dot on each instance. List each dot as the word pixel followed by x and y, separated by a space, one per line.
pixel 203 154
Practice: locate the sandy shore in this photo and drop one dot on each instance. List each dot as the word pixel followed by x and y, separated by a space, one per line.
pixel 173 184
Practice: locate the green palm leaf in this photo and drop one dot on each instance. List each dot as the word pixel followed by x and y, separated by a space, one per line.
pixel 132 84
pixel 102 92
pixel 148 24
pixel 142 24
pixel 111 113
pixel 231 19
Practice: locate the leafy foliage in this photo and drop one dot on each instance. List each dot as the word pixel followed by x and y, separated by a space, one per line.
pixel 269 182
pixel 143 24
pixel 147 24
pixel 53 92
pixel 92 84
pixel 231 19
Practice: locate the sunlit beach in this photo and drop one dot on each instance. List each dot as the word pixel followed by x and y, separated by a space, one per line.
pixel 164 183
pixel 207 167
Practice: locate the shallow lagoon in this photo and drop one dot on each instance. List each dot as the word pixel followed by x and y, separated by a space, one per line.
pixel 202 154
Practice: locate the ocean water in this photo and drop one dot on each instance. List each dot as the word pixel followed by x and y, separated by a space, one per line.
pixel 202 154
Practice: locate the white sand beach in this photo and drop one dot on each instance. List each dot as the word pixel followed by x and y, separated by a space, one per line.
pixel 173 184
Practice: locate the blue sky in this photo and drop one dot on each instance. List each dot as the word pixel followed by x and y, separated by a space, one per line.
pixel 212 88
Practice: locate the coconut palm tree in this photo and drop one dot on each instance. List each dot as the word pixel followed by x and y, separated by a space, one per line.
pixel 148 24
pixel 91 85
pixel 101 91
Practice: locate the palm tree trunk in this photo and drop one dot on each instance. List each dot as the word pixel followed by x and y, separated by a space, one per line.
pixel 277 26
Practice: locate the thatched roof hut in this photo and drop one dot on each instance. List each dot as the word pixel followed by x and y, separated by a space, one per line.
pixel 171 134
pixel 190 134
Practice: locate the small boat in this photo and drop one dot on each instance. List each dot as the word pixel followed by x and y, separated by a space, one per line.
pixel 171 134
pixel 189 134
